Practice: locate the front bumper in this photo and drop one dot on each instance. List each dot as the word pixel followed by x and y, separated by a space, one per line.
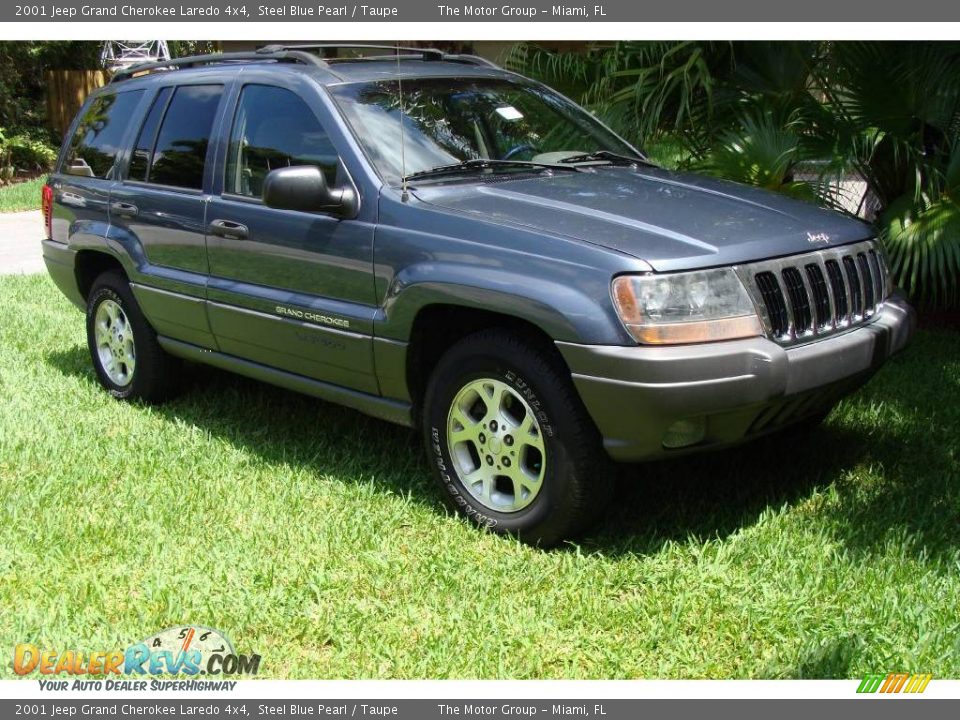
pixel 733 390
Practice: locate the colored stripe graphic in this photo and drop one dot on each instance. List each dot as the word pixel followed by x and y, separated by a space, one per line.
pixel 894 683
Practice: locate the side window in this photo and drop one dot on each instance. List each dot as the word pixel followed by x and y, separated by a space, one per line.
pixel 181 146
pixel 96 142
pixel 143 150
pixel 274 128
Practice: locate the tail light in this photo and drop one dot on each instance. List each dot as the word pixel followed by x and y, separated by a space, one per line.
pixel 46 203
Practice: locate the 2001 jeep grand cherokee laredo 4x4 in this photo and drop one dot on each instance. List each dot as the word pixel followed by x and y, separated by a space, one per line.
pixel 497 267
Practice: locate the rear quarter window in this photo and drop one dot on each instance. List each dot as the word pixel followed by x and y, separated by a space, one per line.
pixel 143 148
pixel 99 136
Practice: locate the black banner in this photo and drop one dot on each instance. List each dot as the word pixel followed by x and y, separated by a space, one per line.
pixel 438 11
pixel 873 708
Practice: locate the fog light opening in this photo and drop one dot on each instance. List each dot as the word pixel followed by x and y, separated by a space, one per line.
pixel 686 432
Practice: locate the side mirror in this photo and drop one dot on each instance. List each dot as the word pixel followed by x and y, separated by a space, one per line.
pixel 304 187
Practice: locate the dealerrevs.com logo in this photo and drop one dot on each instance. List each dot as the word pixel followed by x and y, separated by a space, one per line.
pixel 190 650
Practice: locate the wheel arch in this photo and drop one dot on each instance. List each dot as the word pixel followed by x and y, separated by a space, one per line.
pixel 90 264
pixel 429 307
pixel 438 326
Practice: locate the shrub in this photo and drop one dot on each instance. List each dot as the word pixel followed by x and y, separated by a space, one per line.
pixel 30 154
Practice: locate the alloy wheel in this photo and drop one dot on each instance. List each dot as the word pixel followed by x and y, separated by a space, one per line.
pixel 115 346
pixel 496 445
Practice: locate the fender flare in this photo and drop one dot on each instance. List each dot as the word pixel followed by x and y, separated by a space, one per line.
pixel 563 312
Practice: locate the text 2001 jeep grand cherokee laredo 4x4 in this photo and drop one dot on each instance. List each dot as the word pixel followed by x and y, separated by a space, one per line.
pixel 499 267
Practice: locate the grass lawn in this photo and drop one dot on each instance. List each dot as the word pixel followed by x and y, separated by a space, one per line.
pixel 22 195
pixel 314 536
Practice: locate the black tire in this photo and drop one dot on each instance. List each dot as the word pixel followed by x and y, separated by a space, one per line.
pixel 577 474
pixel 154 372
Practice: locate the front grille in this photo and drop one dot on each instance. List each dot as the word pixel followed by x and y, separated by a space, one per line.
pixel 807 296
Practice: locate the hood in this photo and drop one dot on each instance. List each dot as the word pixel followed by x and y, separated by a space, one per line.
pixel 673 221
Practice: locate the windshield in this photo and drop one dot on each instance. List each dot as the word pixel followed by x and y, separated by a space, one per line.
pixel 452 120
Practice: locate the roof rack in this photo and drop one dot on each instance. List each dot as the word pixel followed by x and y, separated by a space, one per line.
pixel 424 53
pixel 458 58
pixel 291 56
pixel 409 53
pixel 303 54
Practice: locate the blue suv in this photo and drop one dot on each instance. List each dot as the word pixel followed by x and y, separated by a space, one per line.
pixel 438 242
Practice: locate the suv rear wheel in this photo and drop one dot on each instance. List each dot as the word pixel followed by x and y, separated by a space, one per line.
pixel 127 358
pixel 510 442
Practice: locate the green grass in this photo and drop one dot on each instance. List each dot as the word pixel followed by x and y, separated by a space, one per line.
pixel 22 195
pixel 313 535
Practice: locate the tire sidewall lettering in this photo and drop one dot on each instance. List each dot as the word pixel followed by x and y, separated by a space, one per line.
pixel 453 485
pixel 528 394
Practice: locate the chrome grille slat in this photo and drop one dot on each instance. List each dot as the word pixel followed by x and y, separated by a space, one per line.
pixel 866 280
pixel 805 297
pixel 876 273
pixel 799 299
pixel 776 316
pixel 817 288
pixel 833 301
pixel 841 292
pixel 882 267
pixel 856 291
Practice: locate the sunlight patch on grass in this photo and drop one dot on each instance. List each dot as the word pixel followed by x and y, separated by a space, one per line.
pixel 22 195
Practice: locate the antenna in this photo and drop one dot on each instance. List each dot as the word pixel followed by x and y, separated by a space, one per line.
pixel 404 195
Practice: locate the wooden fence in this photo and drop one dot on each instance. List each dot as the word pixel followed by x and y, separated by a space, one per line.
pixel 66 91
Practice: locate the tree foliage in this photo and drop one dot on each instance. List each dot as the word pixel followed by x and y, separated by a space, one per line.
pixel 22 84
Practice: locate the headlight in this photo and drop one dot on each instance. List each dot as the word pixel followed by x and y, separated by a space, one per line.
pixel 686 307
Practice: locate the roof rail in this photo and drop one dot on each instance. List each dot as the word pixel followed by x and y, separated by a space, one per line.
pixel 303 54
pixel 408 52
pixel 279 55
pixel 472 60
pixel 425 53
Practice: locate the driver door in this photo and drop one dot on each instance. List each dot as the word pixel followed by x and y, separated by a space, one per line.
pixel 288 289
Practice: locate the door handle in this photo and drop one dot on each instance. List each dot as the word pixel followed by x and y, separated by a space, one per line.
pixel 228 229
pixel 125 209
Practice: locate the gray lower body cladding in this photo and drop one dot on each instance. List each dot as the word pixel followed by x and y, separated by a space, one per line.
pixel 61 263
pixel 735 390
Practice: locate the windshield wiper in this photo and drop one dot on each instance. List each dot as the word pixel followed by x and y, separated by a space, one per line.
pixel 484 164
pixel 609 156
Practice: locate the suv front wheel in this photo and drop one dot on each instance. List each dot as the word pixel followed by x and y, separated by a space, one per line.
pixel 127 358
pixel 510 442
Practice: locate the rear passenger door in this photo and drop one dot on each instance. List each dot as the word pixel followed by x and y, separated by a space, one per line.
pixel 289 289
pixel 159 209
pixel 81 188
